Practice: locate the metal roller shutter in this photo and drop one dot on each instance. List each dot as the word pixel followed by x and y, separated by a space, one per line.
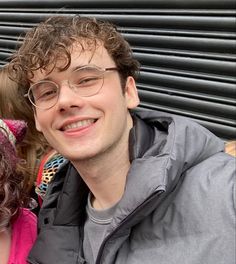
pixel 187 49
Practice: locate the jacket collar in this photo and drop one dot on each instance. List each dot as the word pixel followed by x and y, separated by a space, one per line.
pixel 162 147
pixel 71 200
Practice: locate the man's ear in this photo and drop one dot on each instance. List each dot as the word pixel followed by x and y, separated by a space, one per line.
pixel 38 127
pixel 131 93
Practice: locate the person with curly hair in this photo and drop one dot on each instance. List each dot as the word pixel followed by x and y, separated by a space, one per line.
pixel 18 225
pixel 139 186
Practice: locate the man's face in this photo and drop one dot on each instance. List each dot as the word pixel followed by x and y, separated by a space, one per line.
pixel 85 127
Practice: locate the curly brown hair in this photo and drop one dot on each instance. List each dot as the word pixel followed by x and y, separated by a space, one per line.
pixel 53 39
pixel 12 194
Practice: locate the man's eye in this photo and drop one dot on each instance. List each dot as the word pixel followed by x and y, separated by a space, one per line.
pixel 46 94
pixel 87 81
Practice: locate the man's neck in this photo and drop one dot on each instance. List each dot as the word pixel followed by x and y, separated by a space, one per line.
pixel 106 174
pixel 106 179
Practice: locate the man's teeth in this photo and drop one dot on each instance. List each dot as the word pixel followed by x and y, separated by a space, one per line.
pixel 79 124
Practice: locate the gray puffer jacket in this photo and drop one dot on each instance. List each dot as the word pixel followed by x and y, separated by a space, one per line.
pixel 178 205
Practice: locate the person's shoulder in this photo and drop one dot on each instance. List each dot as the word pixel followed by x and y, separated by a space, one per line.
pixel 26 221
pixel 210 184
pixel 24 233
pixel 26 214
pixel 217 163
pixel 24 229
pixel 216 174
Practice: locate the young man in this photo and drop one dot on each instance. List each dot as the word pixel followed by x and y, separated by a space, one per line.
pixel 140 186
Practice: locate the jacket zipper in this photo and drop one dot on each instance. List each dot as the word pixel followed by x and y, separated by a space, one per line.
pixel 148 200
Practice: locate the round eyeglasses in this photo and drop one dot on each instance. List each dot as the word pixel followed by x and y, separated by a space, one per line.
pixel 85 81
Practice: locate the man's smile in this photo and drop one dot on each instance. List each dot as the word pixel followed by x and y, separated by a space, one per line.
pixel 78 124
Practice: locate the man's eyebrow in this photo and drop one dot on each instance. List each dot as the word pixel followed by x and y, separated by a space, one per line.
pixel 79 67
pixel 41 80
pixel 48 78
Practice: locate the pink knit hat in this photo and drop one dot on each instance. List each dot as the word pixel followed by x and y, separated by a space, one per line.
pixel 12 130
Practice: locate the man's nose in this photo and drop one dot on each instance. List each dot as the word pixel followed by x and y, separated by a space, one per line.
pixel 68 97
